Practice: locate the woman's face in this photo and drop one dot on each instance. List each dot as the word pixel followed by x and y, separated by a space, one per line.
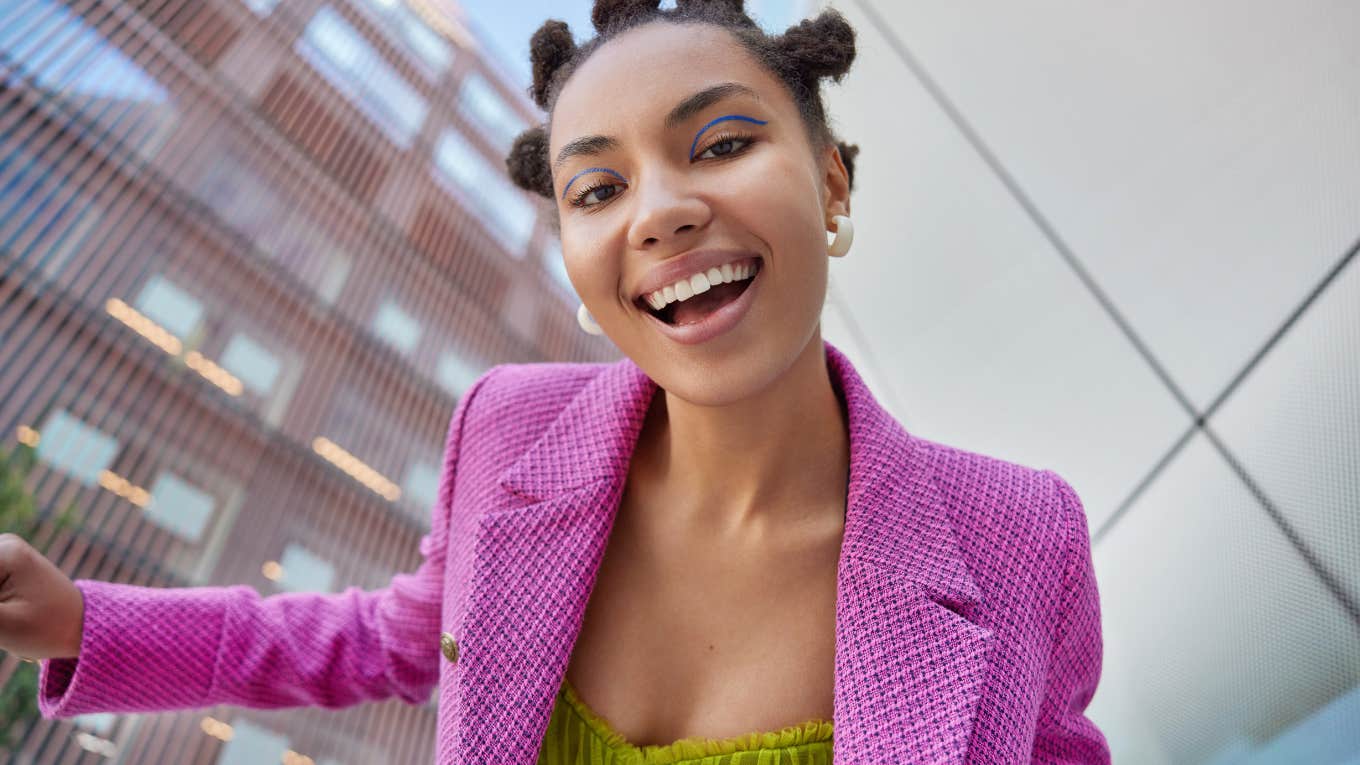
pixel 647 178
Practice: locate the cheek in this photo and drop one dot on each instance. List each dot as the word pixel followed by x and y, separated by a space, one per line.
pixel 776 201
pixel 588 267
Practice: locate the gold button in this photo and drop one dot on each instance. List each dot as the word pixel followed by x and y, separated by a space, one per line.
pixel 449 646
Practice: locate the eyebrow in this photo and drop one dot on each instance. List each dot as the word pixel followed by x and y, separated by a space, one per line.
pixel 691 105
pixel 705 98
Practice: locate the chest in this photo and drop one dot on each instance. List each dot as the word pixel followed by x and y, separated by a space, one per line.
pixel 685 638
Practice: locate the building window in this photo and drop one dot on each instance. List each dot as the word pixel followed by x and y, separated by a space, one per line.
pixel 252 744
pixel 261 8
pixel 279 228
pixel 180 507
pixel 257 367
pixel 466 173
pixel 63 54
pixel 420 487
pixel 232 188
pixel 355 68
pixel 99 722
pixel 304 571
pixel 485 108
pixel 413 35
pixel 26 179
pixel 167 304
pixel 333 279
pixel 454 373
pixel 68 444
pixel 396 327
pixel 39 198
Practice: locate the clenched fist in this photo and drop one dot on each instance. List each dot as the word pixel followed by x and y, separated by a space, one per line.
pixel 42 614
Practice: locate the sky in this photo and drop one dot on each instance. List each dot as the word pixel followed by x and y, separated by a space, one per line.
pixel 504 27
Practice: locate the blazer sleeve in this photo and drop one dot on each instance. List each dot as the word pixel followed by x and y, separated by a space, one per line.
pixel 1064 734
pixel 159 649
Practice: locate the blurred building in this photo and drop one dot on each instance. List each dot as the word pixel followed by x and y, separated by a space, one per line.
pixel 251 253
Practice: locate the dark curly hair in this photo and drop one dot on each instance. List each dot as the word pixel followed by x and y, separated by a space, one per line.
pixel 800 57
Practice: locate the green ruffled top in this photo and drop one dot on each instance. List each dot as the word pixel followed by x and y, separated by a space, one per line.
pixel 578 736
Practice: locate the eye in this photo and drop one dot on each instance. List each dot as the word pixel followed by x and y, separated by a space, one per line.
pixel 600 192
pixel 725 146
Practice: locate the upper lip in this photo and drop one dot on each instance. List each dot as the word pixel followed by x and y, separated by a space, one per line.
pixel 682 266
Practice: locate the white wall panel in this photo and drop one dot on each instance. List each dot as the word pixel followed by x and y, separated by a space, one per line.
pixel 1203 159
pixel 1213 624
pixel 987 338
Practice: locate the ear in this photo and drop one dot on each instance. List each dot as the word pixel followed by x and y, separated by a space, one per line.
pixel 835 183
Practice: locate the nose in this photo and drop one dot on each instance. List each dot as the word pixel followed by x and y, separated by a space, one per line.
pixel 666 211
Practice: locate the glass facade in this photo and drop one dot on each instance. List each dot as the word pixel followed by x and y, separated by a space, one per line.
pixel 304 571
pixel 170 306
pixel 57 51
pixel 481 104
pixel 502 207
pixel 413 35
pixel 68 444
pixel 355 68
pixel 251 362
pixel 179 506
pixel 242 289
pixel 396 327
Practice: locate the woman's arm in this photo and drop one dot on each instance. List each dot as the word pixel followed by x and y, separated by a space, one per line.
pixel 1065 735
pixel 155 649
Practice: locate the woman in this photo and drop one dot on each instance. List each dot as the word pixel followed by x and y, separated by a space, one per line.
pixel 718 550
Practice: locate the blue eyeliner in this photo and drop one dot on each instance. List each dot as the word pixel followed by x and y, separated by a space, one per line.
pixel 695 145
pixel 692 147
pixel 567 188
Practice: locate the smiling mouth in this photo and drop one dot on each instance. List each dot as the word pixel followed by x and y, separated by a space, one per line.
pixel 699 307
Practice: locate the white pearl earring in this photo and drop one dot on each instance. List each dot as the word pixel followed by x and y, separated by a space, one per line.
pixel 587 321
pixel 845 234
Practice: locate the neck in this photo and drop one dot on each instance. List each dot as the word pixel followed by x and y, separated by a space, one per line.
pixel 779 457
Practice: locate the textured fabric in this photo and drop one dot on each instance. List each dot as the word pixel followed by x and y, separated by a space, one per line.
pixel 578 736
pixel 967 621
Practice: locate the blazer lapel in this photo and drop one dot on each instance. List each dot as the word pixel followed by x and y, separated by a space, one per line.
pixel 537 553
pixel 910 660
pixel 911 657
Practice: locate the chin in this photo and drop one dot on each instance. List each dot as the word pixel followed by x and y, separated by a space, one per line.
pixel 703 377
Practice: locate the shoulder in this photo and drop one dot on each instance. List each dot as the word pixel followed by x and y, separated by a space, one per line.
pixel 989 481
pixel 981 483
pixel 533 388
pixel 1018 525
pixel 510 405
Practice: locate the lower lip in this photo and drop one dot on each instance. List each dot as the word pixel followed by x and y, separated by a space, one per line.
pixel 715 323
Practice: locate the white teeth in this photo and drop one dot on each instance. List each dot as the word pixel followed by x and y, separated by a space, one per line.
pixel 698 283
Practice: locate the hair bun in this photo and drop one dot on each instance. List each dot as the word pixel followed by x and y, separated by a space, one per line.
pixel 549 48
pixel 528 162
pixel 736 7
pixel 820 47
pixel 606 13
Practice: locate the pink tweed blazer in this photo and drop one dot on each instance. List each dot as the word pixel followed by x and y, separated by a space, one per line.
pixel 967 615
